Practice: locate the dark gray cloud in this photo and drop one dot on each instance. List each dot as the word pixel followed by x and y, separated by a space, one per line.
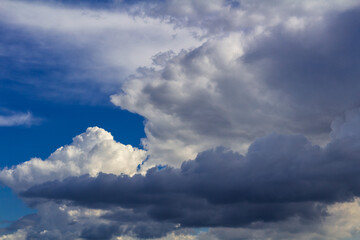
pixel 317 69
pixel 53 222
pixel 280 177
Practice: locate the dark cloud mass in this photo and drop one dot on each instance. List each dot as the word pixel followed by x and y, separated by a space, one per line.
pixel 280 177
pixel 315 68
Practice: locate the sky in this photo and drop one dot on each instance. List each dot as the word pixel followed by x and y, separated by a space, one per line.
pixel 171 120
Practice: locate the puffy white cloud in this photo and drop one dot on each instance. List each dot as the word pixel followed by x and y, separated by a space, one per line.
pixel 198 93
pixel 90 153
pixel 204 98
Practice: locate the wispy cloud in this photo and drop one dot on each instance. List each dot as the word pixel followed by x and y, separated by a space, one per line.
pixel 18 119
pixel 74 48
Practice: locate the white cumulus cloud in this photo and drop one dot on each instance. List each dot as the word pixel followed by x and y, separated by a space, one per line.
pixel 90 153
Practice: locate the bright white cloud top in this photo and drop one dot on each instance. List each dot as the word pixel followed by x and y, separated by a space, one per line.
pixel 90 153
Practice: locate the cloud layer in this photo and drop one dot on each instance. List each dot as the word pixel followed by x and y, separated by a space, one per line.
pixel 280 178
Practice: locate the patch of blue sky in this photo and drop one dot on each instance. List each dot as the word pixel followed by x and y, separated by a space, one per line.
pixel 38 77
pixel 12 208
pixel 200 230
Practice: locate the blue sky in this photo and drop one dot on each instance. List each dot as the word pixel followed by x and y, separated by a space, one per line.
pixel 179 120
pixel 31 76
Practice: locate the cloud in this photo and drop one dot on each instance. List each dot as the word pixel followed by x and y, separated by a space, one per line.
pixel 18 235
pixel 131 42
pixel 247 84
pixel 342 222
pixel 90 153
pixel 282 177
pixel 55 220
pixel 76 48
pixel 197 99
pixel 18 119
pixel 261 68
pixel 217 17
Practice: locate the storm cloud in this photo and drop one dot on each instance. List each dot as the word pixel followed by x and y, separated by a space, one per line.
pixel 280 177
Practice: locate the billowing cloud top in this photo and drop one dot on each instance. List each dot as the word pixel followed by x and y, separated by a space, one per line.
pixel 90 153
pixel 236 88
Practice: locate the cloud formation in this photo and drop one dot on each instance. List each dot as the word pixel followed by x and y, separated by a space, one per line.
pixel 216 17
pixel 274 83
pixel 280 178
pixel 90 153
pixel 236 88
pixel 342 222
pixel 16 119
pixel 77 48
